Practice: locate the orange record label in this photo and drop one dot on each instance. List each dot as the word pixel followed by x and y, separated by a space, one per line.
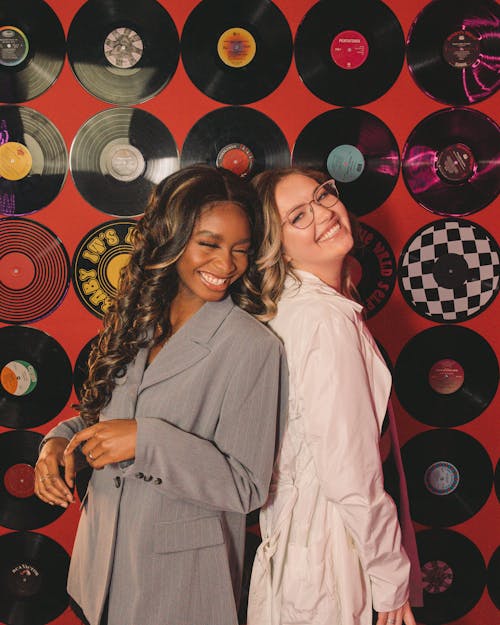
pixel 15 161
pixel 236 47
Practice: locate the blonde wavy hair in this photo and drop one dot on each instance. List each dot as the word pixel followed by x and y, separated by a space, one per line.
pixel 270 259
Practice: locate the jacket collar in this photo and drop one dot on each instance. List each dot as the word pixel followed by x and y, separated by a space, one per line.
pixel 186 347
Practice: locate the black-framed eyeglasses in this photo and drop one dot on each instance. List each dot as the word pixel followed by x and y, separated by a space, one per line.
pixel 302 216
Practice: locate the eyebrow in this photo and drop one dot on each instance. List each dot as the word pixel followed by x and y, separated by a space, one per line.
pixel 218 237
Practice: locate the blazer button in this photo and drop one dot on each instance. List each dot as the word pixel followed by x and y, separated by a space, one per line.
pixel 117 480
pixel 148 478
pixel 139 475
pixel 158 480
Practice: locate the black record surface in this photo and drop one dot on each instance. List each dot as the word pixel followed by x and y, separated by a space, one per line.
pixel 33 160
pixel 349 53
pixel 119 156
pixel 33 573
pixel 494 577
pixel 81 370
pixel 20 508
pixel 453 50
pixel 32 49
pixel 449 476
pixel 237 138
pixel 36 377
pixel 122 51
pixel 453 573
pixel 236 52
pixel 451 162
pixel 446 376
pixel 355 148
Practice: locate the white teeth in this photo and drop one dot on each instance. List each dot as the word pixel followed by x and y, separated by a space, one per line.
pixel 212 279
pixel 331 232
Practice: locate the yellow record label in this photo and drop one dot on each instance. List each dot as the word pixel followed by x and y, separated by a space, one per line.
pixel 236 47
pixel 15 161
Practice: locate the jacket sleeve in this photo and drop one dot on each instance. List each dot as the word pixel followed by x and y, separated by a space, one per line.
pixel 232 472
pixel 67 429
pixel 342 431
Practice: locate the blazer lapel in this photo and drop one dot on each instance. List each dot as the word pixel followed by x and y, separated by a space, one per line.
pixel 189 345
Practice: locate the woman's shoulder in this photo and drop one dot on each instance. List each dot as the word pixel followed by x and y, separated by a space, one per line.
pixel 316 309
pixel 241 323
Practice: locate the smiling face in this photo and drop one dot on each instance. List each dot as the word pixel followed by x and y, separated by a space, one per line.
pixel 322 247
pixel 216 254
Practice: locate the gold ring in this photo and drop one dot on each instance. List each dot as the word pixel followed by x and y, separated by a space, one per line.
pixel 91 456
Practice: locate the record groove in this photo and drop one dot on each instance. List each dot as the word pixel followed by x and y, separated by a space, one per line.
pixel 34 270
pixel 449 476
pixel 33 573
pixel 20 508
pixel 451 162
pixel 237 138
pixel 350 53
pixel 449 270
pixel 33 160
pixel 236 53
pixel 118 157
pixel 32 49
pixel 355 148
pixel 453 50
pixel 446 376
pixel 123 52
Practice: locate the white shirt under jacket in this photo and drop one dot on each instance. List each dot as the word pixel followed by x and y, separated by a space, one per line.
pixel 331 540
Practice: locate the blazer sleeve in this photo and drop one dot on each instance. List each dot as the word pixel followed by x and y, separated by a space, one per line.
pixel 67 429
pixel 342 432
pixel 232 472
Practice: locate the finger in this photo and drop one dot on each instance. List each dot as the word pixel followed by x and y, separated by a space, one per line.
pixel 79 438
pixel 382 618
pixel 69 470
pixel 53 490
pixel 408 617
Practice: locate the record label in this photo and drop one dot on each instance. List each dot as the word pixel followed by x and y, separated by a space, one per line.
pixel 456 162
pixel 18 377
pixel 19 480
pixel 449 271
pixel 121 52
pixel 15 161
pixel 98 261
pixel 355 148
pixel 378 269
pixel 453 575
pixel 449 476
pixel 14 46
pixel 453 50
pixel 438 379
pixel 34 270
pixel 236 157
pixel 349 49
pixel 236 47
pixel 33 575
pixel 123 48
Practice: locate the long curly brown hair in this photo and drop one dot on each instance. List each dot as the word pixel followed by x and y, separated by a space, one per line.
pixel 140 314
pixel 270 260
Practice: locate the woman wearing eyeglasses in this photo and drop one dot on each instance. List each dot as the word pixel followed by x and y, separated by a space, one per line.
pixel 331 542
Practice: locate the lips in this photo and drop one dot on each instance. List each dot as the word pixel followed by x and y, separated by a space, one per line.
pixel 330 232
pixel 213 282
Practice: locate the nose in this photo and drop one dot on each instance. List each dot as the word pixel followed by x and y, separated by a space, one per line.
pixel 321 214
pixel 225 261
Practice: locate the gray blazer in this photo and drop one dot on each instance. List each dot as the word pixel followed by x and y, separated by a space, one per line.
pixel 164 534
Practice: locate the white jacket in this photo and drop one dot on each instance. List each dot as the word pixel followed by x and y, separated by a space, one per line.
pixel 331 543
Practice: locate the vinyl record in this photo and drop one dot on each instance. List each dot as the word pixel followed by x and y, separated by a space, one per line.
pixel 453 50
pixel 494 578
pixel 81 370
pixel 355 148
pixel 451 161
pixel 449 476
pixel 119 156
pixel 236 52
pixel 349 53
pixel 35 377
pixel 34 270
pixel 82 481
pixel 32 49
pixel 98 260
pixel 446 375
pixel 453 573
pixel 237 138
pixel 20 508
pixel 449 270
pixel 373 269
pixel 33 160
pixel 33 573
pixel 122 51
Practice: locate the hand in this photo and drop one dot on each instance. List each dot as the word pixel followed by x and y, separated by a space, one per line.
pixel 397 617
pixel 49 486
pixel 104 443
